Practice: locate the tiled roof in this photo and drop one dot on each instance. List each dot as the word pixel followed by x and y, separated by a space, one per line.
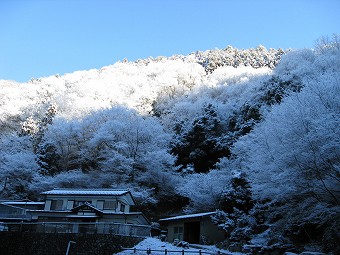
pixel 100 192
pixel 188 216
pixel 23 203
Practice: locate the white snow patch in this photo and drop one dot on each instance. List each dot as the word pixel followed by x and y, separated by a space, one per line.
pixel 156 244
pixel 261 239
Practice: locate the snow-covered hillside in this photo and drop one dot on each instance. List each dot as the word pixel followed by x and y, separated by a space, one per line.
pixel 137 85
pixel 253 133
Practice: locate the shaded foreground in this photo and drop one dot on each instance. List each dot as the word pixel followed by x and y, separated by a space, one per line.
pixel 19 243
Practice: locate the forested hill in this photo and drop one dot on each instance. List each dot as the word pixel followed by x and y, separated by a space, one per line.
pixel 251 133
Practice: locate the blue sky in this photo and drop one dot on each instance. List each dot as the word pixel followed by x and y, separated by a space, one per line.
pixel 45 37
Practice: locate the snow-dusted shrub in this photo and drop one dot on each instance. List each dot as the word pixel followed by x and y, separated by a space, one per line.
pixel 238 225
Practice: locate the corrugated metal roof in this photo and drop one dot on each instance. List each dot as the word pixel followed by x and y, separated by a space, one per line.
pixel 188 216
pixel 98 192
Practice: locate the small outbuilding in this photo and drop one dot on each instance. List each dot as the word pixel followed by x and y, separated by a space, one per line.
pixel 193 228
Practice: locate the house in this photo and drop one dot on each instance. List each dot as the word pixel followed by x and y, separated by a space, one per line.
pixel 106 211
pixel 89 205
pixel 16 211
pixel 193 228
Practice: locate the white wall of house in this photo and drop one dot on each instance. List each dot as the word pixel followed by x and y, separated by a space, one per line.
pixel 175 231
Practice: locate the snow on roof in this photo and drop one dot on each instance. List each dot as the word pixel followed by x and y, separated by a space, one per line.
pixel 188 216
pixel 100 192
pixel 23 203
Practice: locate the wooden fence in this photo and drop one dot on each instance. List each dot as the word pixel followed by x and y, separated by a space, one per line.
pixel 167 252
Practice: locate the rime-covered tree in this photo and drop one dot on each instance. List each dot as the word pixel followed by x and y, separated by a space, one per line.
pixel 203 190
pixel 127 144
pixel 59 149
pixel 256 58
pixel 292 156
pixel 297 143
pixel 17 166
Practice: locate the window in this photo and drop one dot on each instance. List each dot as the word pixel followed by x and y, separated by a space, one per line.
pixel 56 205
pixel 100 204
pixel 178 233
pixel 109 205
pixel 69 204
pixel 122 207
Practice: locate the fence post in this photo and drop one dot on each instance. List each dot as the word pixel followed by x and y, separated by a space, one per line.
pixel 134 250
pixel 200 252
pixel 165 252
pixel 68 246
pixel 182 252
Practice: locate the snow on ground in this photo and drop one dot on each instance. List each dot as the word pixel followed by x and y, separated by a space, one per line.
pixel 156 244
pixel 153 244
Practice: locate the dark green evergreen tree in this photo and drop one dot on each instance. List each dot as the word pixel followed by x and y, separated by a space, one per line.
pixel 47 159
pixel 235 216
pixel 237 195
pixel 201 146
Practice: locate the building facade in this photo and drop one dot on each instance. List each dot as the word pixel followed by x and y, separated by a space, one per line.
pixel 106 211
pixel 88 205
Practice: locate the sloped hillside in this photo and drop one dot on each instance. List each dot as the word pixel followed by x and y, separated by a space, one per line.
pixel 251 133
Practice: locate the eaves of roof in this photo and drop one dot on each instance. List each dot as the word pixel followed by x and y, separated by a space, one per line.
pixel 187 216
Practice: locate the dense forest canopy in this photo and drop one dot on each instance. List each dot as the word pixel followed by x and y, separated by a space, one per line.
pixel 239 131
